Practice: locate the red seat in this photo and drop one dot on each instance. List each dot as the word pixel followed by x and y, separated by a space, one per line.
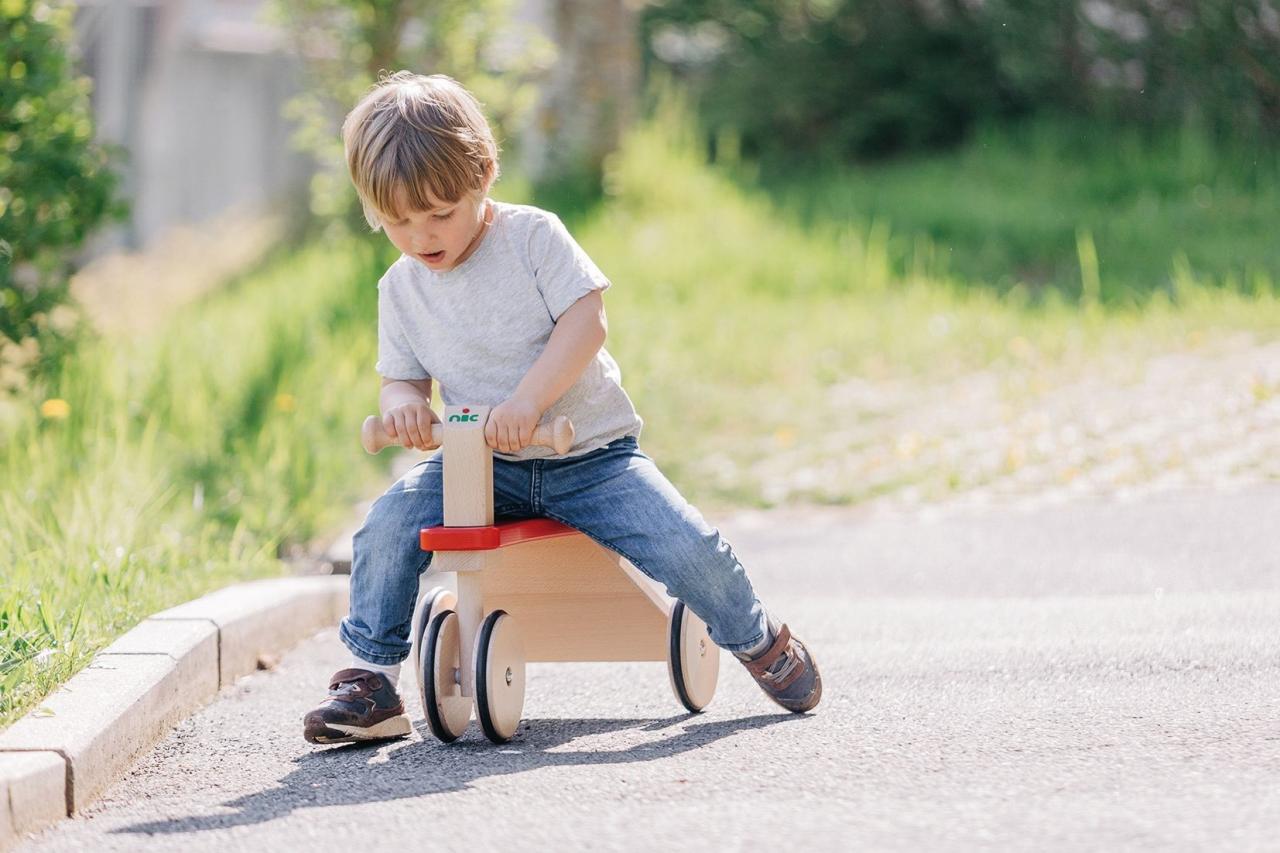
pixel 493 536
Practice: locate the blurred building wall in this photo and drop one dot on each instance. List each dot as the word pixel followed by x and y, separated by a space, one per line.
pixel 194 91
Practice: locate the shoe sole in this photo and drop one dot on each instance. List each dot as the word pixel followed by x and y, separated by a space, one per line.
pixel 391 727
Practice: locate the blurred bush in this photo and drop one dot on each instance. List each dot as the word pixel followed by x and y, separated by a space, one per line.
pixel 854 77
pixel 55 186
pixel 872 77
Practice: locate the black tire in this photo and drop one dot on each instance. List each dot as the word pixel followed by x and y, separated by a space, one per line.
pixel 418 639
pixel 420 629
pixel 674 643
pixel 482 677
pixel 427 669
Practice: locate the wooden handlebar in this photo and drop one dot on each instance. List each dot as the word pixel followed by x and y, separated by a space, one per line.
pixel 558 435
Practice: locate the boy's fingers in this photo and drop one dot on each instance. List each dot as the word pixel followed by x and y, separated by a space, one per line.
pixel 415 434
pixel 424 428
pixel 389 424
pixel 402 426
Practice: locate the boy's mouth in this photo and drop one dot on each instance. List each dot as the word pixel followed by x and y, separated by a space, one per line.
pixel 433 257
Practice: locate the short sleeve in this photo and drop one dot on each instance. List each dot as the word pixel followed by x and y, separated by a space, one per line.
pixel 563 271
pixel 395 357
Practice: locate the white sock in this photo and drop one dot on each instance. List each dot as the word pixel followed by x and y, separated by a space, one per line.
pixel 391 671
pixel 770 635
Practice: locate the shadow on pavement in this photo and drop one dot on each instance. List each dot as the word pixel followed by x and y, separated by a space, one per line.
pixel 379 772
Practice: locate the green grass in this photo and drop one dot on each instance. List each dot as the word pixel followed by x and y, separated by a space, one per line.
pixel 1006 210
pixel 740 314
pixel 185 461
pixel 736 319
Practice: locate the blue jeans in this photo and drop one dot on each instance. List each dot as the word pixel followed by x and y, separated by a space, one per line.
pixel 615 495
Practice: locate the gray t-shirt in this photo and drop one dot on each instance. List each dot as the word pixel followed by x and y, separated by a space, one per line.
pixel 478 328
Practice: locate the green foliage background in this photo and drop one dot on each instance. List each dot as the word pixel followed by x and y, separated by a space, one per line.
pixel 857 78
pixel 55 184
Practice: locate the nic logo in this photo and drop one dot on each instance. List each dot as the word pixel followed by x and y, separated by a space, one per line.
pixel 465 417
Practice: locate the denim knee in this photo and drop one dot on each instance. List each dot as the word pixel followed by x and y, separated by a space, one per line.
pixel 389 535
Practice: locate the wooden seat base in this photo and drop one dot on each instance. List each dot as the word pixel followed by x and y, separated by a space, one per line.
pixel 573 599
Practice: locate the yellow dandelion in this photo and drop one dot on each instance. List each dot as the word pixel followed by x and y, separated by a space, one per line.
pixel 784 437
pixel 55 409
pixel 286 402
pixel 907 445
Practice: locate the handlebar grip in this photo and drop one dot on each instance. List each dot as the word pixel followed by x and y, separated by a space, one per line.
pixel 558 435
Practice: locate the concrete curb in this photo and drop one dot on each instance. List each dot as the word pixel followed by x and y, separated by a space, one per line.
pixel 61 756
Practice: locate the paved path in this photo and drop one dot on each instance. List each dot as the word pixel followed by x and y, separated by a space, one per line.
pixel 1079 676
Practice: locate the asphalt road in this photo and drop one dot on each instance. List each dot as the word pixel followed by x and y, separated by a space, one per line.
pixel 1101 675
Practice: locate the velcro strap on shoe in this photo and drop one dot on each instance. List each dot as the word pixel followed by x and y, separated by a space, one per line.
pixel 760 665
pixel 347 676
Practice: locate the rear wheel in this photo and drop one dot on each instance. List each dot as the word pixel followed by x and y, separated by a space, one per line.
pixel 436 600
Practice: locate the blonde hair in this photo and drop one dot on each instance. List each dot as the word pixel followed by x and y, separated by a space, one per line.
pixel 421 135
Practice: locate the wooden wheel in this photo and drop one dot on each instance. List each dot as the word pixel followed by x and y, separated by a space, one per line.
pixel 436 600
pixel 499 676
pixel 693 660
pixel 448 712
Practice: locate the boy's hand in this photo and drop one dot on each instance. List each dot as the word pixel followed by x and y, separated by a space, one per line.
pixel 410 424
pixel 511 424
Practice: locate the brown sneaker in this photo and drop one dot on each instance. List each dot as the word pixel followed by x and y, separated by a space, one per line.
pixel 362 705
pixel 787 672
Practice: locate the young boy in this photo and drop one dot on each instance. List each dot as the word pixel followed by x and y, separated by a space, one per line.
pixel 500 305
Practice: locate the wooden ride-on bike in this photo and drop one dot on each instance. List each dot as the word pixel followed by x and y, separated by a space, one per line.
pixel 533 590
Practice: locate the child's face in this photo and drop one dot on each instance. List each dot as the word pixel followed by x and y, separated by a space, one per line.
pixel 442 237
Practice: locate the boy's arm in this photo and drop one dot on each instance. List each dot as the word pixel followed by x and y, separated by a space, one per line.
pixel 406 411
pixel 575 340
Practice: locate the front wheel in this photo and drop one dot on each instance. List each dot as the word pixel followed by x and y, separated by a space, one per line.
pixel 448 712
pixel 499 676
pixel 693 660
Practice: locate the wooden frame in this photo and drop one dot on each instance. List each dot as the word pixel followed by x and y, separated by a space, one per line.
pixel 545 591
pixel 573 599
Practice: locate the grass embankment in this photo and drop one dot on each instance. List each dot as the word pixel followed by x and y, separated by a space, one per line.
pixel 745 331
pixel 166 466
pixel 1008 210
